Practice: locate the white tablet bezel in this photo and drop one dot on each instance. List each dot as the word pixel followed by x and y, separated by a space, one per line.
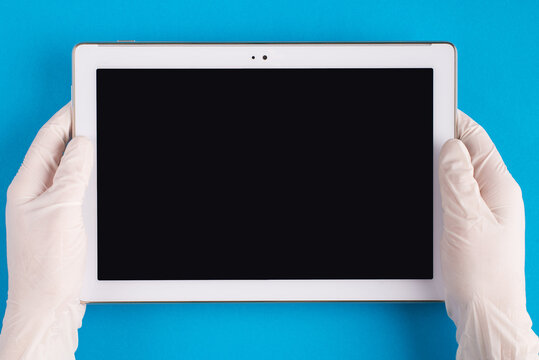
pixel 441 57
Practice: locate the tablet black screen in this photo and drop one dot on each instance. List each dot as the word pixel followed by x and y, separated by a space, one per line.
pixel 264 174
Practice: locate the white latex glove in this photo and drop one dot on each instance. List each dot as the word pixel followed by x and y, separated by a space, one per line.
pixel 46 245
pixel 483 249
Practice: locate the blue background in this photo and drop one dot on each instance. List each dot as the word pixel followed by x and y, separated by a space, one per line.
pixel 498 50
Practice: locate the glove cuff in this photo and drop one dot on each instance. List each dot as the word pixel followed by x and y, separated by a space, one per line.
pixel 36 333
pixel 484 331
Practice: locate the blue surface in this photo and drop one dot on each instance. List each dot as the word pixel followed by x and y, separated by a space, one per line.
pixel 498 46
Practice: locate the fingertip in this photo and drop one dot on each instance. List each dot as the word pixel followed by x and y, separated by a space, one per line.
pixel 81 150
pixel 449 144
pixel 81 141
pixel 473 135
pixel 464 124
pixel 77 161
pixel 62 119
pixel 55 133
pixel 454 156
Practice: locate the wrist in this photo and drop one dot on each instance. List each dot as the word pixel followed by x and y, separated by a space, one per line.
pixel 493 331
pixel 54 328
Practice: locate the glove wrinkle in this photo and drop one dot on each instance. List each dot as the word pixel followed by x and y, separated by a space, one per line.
pixel 488 333
pixel 46 245
pixel 482 249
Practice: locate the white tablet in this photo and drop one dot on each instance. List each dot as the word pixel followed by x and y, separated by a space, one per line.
pixel 264 172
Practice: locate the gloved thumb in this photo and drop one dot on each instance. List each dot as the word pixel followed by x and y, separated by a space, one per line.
pixel 73 173
pixel 461 198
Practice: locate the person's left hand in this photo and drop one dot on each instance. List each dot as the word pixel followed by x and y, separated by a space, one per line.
pixel 46 245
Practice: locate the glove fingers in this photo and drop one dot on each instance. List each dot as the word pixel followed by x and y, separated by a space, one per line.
pixel 42 159
pixel 497 187
pixel 461 199
pixel 71 178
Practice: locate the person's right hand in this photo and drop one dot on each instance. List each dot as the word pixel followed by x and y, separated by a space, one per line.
pixel 46 245
pixel 482 249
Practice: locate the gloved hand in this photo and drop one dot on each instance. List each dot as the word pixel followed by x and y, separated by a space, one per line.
pixel 482 249
pixel 46 245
